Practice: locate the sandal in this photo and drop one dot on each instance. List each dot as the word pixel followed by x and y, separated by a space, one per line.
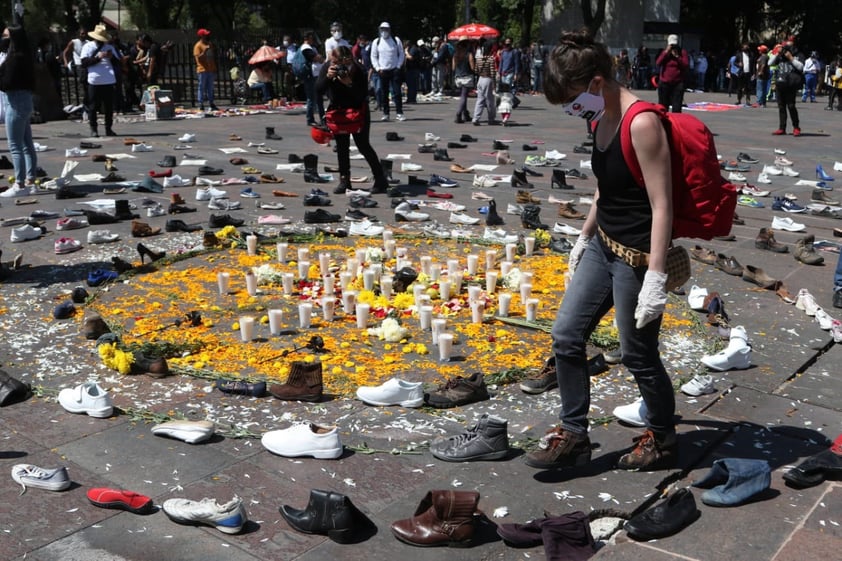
pixel 269 178
pixel 251 170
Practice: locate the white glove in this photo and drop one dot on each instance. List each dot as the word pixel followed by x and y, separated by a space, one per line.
pixel 652 298
pixel 576 253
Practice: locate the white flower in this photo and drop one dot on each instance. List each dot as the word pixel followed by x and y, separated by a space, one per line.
pixel 390 331
pixel 512 279
pixel 374 255
pixel 267 274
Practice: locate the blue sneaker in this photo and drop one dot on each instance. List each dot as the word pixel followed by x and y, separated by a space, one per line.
pixel 750 201
pixel 786 205
pixel 101 276
pixel 248 193
pixel 439 181
pixel 483 210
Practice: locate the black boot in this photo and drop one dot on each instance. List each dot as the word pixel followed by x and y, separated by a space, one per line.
pixel 559 180
pixel 459 118
pixel 387 172
pixel 311 169
pixel 530 219
pixel 344 185
pixel 440 155
pixel 492 218
pixel 331 514
pixel 381 185
pixel 122 210
pixel 519 180
pixel 270 134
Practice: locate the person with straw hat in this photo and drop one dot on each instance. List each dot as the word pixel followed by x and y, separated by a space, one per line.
pixel 99 58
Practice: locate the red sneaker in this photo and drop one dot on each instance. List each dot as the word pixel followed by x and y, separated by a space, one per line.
pixel 779 132
pixel 120 499
pixel 796 132
pixel 436 195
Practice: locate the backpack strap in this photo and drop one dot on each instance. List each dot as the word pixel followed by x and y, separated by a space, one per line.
pixel 629 155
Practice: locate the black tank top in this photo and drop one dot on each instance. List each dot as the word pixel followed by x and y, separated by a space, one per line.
pixel 623 209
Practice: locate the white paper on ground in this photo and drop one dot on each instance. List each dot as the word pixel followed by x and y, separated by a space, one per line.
pixel 83 177
pixel 290 167
pixel 193 163
pixel 483 167
pixel 236 150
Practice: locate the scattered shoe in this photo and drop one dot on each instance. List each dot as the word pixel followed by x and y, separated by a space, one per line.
pixel 28 475
pixel 458 391
pixel 67 245
pixel 120 499
pixel 650 452
pixel 701 384
pixel 560 448
pixel 239 387
pixel 806 253
pixel 785 223
pixel 191 432
pixel 87 398
pixel 487 440
pixel 304 439
pixel 228 518
pixel 666 518
pixel 787 205
pixel 736 356
pixel 393 392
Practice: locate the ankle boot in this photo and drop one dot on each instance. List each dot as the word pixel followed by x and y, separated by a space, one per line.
pixel 122 211
pixel 492 218
pixel 441 155
pixel 151 366
pixel 559 180
pixel 143 230
pixel 146 252
pixel 387 172
pixel 177 199
pixel 94 327
pixel 525 197
pixel 331 514
pixel 270 134
pixel 519 180
pixel 121 265
pixel 311 169
pixel 442 518
pixel 459 119
pixel 381 185
pixel 530 219
pixel 303 384
pixel 344 185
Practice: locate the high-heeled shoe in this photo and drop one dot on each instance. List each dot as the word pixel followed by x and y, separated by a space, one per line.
pixel 121 265
pixel 153 255
pixel 820 173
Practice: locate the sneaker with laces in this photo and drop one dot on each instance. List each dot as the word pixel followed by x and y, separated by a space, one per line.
pixel 499 236
pixel 87 398
pixel 488 439
pixel 17 190
pixel 763 178
pixel 772 170
pixel 824 320
pixel 228 518
pixel 749 201
pixel 560 448
pixel 157 210
pixel 546 380
pixel 788 224
pixel 400 117
pixel 458 391
pixel 102 236
pixel 484 182
pixel 28 475
pixel 752 191
pixel 735 176
pixel 404 213
pixel 67 245
pixel 320 216
pixel 436 230
pixel 441 181
pixel 462 218
pixel 71 223
pixel 208 193
pixel 249 193
pixel 746 159
pixel 223 204
pixel 736 356
pixel 141 147
pixel 650 452
pixel 365 228
pixel 789 172
pixel 393 392
pixel 561 228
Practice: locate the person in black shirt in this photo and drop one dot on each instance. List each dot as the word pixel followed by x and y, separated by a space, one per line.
pixel 17 81
pixel 344 81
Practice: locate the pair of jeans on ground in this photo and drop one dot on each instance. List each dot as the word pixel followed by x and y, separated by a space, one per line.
pixel 390 80
pixel 361 139
pixel 314 101
pixel 485 99
pixel 205 93
pixel 602 281
pixel 19 109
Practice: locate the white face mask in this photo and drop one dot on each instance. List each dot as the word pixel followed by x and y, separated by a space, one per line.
pixel 286 43
pixel 337 35
pixel 586 105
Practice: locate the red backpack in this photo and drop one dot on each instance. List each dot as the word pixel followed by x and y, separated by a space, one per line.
pixel 703 202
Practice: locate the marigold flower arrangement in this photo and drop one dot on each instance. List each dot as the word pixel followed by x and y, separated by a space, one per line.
pixel 114 358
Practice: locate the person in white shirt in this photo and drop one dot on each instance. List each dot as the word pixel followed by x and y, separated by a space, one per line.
pixel 387 58
pixel 811 77
pixel 335 40
pixel 99 58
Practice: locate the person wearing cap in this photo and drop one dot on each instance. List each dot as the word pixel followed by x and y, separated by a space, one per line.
pixel 762 75
pixel 335 40
pixel 789 77
pixel 205 57
pixel 387 58
pixel 674 63
pixel 99 58
pixel 811 77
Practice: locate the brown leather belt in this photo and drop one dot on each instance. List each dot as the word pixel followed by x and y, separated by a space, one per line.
pixel 633 257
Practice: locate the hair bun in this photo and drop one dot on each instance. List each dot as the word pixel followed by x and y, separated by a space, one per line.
pixel 580 39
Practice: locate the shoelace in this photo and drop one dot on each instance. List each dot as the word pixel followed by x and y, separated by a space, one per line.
pixel 464 438
pixel 552 439
pixel 33 472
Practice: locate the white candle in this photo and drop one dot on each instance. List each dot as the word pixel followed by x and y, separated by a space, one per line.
pixel 386 286
pixel 491 281
pixel 288 280
pixel 444 290
pixel 452 267
pixel 378 270
pixel 401 252
pixel 349 301
pixel 473 293
pixel 531 309
pixel 246 328
pixel 437 326
pixel 324 263
pixel 426 264
pixel 368 279
pixel 503 302
pixel 526 276
pixel 328 307
pixel 303 254
pixel 477 308
pixel 417 291
pixel 388 235
pixel 511 250
pixel 224 282
pixel 456 283
pixel 329 284
pixel 505 267
pixel 445 346
pixel 282 248
pixel 389 248
pixel 360 253
pixel 490 259
pixel 251 283
pixel 353 266
pixel 425 317
pixel 435 272
pixel 303 269
pixel 344 279
pixel 276 318
pixel 473 264
pixel 362 312
pixel 525 292
pixel 529 245
pixel 251 244
pixel 305 314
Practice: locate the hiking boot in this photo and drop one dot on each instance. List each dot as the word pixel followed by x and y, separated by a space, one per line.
pixel 487 440
pixel 806 253
pixel 525 197
pixel 151 366
pixel 766 240
pixel 458 391
pixel 567 210
pixel 650 452
pixel 560 448
pixel 143 230
pixel 546 380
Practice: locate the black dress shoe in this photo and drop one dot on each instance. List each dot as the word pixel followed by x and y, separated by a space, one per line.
pixel 666 518
pixel 467 138
pixel 330 514
pixel 175 225
pixel 393 137
pixel 500 145
pixel 67 193
pixel 223 220
pixel 208 170
pixel 454 145
pixel 529 148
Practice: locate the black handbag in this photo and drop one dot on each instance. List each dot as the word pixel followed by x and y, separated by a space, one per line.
pixel 12 390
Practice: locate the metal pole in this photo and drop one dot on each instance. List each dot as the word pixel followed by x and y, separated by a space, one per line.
pixel 467 12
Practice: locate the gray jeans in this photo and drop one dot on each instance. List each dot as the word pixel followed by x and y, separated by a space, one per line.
pixel 485 99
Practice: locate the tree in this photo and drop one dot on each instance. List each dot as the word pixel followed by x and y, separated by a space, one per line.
pixel 593 19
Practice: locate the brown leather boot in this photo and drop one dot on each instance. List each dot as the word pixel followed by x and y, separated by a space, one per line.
pixel 442 518
pixel 303 384
pixel 143 230
pixel 94 326
pixel 177 199
pixel 154 367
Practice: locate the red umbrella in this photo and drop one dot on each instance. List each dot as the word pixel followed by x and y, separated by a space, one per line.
pixel 265 54
pixel 473 31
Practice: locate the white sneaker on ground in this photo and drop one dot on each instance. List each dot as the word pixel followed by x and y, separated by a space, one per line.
pixel 25 233
pixel 187 138
pixel 561 228
pixel 735 176
pixel 780 161
pixel 157 210
pixel 176 181
pixel 102 236
pixel 499 236
pixel 71 223
pixel 515 209
pixel 788 224
pixel 228 518
pixel 304 439
pixel 141 147
pixel 75 153
pixel 28 475
pixel 772 170
pixel 188 431
pixel 207 182
pixel 365 228
pixel 789 172
pixel 409 166
pixel 484 182
pixel 824 320
pixel 462 218
pixel 403 212
pixel 223 204
pixel 430 137
pixel 67 245
pixel 699 385
pixel 763 178
pixel 437 230
pixel 208 193
pixel 806 302
pixel 16 190
pixel 736 356
pixel 633 413
pixel 87 398
pixel 393 392
pixel 400 117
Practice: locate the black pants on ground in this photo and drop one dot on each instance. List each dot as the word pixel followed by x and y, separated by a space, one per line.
pixel 786 102
pixel 104 96
pixel 361 139
pixel 671 95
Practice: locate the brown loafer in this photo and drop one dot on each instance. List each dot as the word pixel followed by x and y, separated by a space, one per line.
pixel 279 193
pixel 269 178
pixel 456 168
pixel 238 161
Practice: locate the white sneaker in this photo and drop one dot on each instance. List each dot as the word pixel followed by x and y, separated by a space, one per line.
pixel 788 171
pixel 734 176
pixel 28 475
pixel 384 118
pixel 187 138
pixel 141 147
pixel 447 206
pixel 498 236
pixel 788 224
pixel 157 210
pixel 437 230
pixel 515 209
pixel 304 439
pixel 75 153
pixel 696 298
pixel 806 302
pixel 462 218
pixel 357 193
pixel 480 196
pixel 823 319
pixel 763 178
pixel 736 356
pixel 208 182
pixel 67 245
pixel 272 206
pixel 403 212
pixel 633 413
pixel 836 331
pixel 102 236
pixel 561 228
pixel 484 182
pixel 87 398
pixel 409 166
pixel 188 431
pixel 457 233
pixel 223 204
pixel 228 518
pixel 837 166
pixel 393 392
pixel 176 181
pixel 772 170
pixel 16 190
pixel 273 219
pixel 554 155
pixel 208 193
pixel 25 233
pixel 430 137
pixel 71 223
pixel 780 151
pixel 365 228
pixel 699 385
pixel 782 162
pixel 400 117
pixel 753 191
